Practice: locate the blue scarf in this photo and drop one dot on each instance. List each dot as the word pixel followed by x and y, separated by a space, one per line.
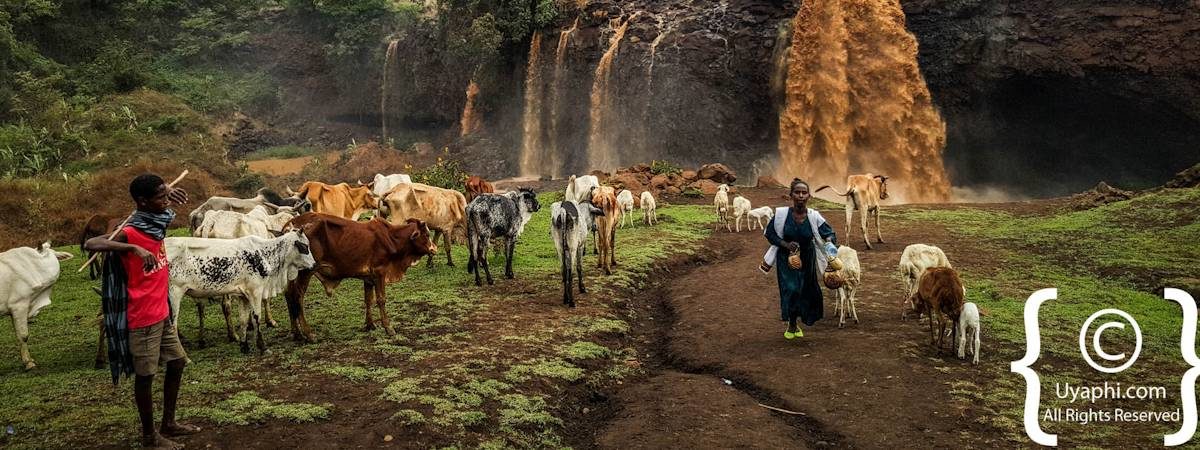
pixel 153 224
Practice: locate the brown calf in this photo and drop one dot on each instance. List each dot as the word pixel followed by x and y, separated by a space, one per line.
pixel 476 185
pixel 605 198
pixel 940 292
pixel 375 252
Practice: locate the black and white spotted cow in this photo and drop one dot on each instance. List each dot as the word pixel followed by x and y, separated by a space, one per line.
pixel 251 267
pixel 569 225
pixel 499 216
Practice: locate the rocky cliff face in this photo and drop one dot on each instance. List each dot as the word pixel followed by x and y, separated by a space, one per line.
pixel 1040 97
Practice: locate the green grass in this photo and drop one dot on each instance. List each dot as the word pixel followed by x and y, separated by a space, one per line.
pixel 1113 256
pixel 444 370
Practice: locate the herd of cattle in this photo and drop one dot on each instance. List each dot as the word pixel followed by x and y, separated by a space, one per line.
pixel 256 248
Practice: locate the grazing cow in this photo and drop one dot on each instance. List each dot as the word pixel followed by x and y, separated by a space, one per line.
pixel 940 293
pixel 27 276
pixel 476 185
pixel 339 200
pixel 913 262
pixel 864 193
pixel 569 224
pixel 250 267
pixel 442 210
pixel 605 198
pixel 625 204
pixel 381 185
pixel 741 208
pixel 97 225
pixel 968 332
pixel 579 189
pixel 649 208
pixel 721 204
pixel 760 214
pixel 500 216
pixel 375 252
pixel 242 205
pixel 851 273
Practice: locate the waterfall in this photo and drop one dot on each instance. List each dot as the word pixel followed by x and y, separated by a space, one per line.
pixel 601 152
pixel 470 121
pixel 383 87
pixel 856 102
pixel 560 54
pixel 532 149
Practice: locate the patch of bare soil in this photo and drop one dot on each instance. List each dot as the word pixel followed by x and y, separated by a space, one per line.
pixel 289 166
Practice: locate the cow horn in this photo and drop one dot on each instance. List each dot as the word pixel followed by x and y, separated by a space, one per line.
pixel 290 191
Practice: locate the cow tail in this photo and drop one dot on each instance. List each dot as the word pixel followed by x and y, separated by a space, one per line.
pixel 471 263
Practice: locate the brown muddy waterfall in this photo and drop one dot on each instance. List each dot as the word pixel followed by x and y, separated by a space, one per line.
pixel 856 102
pixel 556 100
pixel 533 149
pixel 602 152
pixel 470 121
pixel 383 87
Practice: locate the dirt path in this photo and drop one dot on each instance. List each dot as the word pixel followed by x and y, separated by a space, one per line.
pixel 875 384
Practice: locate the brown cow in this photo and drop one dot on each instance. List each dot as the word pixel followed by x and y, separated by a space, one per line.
pixel 863 193
pixel 443 210
pixel 605 198
pixel 339 200
pixel 476 185
pixel 375 252
pixel 939 293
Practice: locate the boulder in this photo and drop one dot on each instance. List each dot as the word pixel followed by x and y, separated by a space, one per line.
pixel 627 181
pixel 767 181
pixel 707 187
pixel 672 190
pixel 717 172
pixel 1188 178
pixel 690 175
pixel 640 168
pixel 659 182
pixel 600 175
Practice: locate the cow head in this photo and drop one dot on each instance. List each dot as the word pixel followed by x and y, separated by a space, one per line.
pixel 304 259
pixel 527 197
pixel 883 195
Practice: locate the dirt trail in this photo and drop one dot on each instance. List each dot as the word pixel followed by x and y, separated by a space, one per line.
pixel 870 385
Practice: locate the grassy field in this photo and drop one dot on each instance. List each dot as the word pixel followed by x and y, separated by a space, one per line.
pixel 1120 256
pixel 468 366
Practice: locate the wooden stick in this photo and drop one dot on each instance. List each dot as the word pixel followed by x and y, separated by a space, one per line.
pixel 122 225
pixel 794 413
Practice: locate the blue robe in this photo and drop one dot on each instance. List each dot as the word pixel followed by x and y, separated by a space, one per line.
pixel 799 290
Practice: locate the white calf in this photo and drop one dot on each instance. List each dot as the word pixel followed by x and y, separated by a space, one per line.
pixel 969 331
pixel 721 204
pixel 759 214
pixel 649 208
pixel 569 223
pixel 852 274
pixel 741 208
pixel 625 204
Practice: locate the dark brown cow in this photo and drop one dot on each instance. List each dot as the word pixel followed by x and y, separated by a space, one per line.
pixel 375 252
pixel 476 185
pixel 97 225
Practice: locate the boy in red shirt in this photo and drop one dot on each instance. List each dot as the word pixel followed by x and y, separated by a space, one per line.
pixel 136 308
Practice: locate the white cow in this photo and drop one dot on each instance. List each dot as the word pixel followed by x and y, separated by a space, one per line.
pixel 250 267
pixel 721 204
pixel 741 208
pixel 26 278
pixel 382 184
pixel 579 189
pixel 625 204
pixel 913 262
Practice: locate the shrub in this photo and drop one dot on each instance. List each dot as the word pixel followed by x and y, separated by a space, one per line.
pixel 446 173
pixel 660 167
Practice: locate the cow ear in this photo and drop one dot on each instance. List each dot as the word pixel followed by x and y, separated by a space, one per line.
pixel 277 233
pixel 596 211
pixel 302 247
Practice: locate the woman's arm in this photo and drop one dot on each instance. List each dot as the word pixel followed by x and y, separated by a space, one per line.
pixel 777 241
pixel 827 233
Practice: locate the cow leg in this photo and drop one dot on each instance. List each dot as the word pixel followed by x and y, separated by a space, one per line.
pixel 878 231
pixel 849 214
pixel 612 247
pixel 566 263
pixel 840 309
pixel 368 300
pixel 510 245
pixel 487 265
pixel 477 247
pixel 429 259
pixel 579 271
pixel 20 318
pixel 266 309
pixel 449 254
pixel 851 293
pixel 256 314
pixel 200 317
pixel 225 307
pixel 862 216
pixel 244 325
pixel 101 348
pixel 381 302
pixel 295 302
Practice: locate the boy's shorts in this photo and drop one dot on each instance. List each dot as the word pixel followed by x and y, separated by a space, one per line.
pixel 154 345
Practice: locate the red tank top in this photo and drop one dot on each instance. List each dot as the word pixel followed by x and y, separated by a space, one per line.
pixel 147 290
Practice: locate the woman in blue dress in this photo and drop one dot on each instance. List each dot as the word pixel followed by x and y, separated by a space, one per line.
pixel 800 297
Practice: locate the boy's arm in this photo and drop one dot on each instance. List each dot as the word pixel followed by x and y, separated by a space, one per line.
pixel 118 244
